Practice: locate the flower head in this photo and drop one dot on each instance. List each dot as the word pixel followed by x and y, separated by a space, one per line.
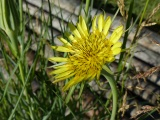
pixel 87 51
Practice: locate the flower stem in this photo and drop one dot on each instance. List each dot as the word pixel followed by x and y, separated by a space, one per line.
pixel 87 6
pixel 112 84
pixel 87 10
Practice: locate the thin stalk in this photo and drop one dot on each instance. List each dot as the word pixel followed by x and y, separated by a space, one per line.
pixel 87 10
pixel 112 84
pixel 87 7
pixel 21 26
pixel 145 7
pixel 139 25
pixel 68 97
pixel 25 91
pixel 21 72
pixel 115 15
pixel 50 16
pixel 120 65
pixel 21 14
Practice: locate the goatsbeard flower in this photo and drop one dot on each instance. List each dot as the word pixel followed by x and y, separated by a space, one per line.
pixel 87 52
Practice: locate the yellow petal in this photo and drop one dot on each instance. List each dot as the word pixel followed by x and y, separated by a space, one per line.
pixel 110 59
pixel 117 33
pixel 58 79
pixel 94 24
pixel 58 71
pixel 60 65
pixel 83 25
pixel 116 51
pixel 98 74
pixel 55 66
pixel 70 37
pixel 58 59
pixel 62 49
pixel 65 42
pixel 116 45
pixel 100 22
pixel 72 82
pixel 74 30
pixel 81 31
pixel 107 25
pixel 91 75
pixel 67 74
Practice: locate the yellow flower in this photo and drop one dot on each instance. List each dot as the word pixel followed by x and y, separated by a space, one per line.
pixel 87 52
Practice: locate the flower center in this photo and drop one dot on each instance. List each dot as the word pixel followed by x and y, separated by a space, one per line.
pixel 90 54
